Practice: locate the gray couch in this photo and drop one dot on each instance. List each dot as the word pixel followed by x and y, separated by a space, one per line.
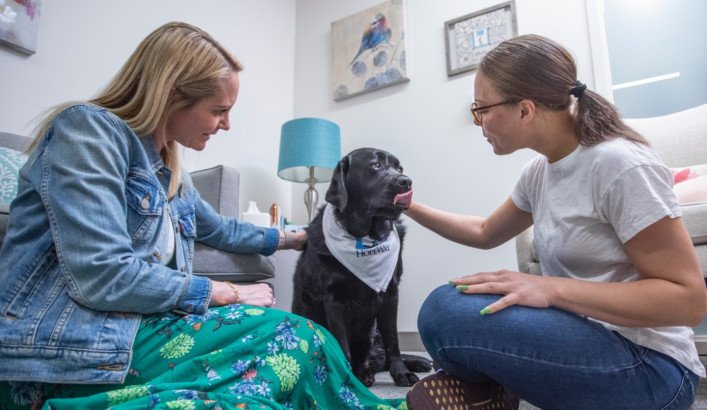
pixel 219 187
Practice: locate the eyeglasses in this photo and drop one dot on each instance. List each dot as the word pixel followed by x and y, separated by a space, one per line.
pixel 476 110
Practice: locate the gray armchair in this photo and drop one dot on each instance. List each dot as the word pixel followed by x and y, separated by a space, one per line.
pixel 219 187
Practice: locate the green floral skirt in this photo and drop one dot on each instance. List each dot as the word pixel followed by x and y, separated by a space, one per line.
pixel 232 357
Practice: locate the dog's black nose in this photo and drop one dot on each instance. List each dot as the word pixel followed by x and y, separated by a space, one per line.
pixel 404 181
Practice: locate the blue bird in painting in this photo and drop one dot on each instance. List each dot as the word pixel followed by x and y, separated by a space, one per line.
pixel 374 35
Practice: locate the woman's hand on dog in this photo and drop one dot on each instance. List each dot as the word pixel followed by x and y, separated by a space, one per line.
pixel 292 240
pixel 517 288
pixel 258 294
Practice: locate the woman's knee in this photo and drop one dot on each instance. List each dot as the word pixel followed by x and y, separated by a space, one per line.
pixel 431 310
pixel 446 304
pixel 444 310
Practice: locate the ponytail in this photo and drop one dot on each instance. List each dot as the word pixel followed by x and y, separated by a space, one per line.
pixel 532 67
pixel 597 120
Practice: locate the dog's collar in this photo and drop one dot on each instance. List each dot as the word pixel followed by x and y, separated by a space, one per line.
pixel 373 262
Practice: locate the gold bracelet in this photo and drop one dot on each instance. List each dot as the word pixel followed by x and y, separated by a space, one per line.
pixel 234 288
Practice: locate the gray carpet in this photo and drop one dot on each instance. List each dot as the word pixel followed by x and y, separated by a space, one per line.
pixel 385 388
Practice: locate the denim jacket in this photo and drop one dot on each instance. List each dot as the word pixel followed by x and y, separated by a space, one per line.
pixel 80 263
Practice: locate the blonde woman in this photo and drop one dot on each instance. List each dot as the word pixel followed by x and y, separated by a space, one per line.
pixel 99 307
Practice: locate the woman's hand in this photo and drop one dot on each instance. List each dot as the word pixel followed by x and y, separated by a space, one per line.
pixel 257 294
pixel 292 240
pixel 517 289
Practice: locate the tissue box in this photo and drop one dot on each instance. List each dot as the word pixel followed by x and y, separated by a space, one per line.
pixel 259 219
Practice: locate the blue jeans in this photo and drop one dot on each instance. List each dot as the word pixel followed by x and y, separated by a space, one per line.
pixel 551 358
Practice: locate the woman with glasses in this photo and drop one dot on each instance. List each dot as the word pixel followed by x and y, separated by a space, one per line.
pixel 607 324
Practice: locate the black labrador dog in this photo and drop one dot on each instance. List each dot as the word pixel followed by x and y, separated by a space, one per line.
pixel 347 277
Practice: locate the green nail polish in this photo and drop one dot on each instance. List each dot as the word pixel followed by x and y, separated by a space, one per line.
pixel 451 282
pixel 462 288
pixel 485 311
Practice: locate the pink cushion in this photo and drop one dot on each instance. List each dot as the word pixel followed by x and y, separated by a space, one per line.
pixel 685 173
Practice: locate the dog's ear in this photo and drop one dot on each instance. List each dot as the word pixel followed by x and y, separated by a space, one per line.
pixel 336 194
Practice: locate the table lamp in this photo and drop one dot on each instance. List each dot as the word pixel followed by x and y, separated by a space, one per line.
pixel 310 148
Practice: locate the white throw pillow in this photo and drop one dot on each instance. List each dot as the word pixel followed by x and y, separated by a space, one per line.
pixel 693 190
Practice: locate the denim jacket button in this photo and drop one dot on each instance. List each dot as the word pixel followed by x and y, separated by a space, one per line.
pixel 145 203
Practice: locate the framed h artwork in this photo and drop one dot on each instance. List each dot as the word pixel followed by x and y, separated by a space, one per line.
pixel 468 38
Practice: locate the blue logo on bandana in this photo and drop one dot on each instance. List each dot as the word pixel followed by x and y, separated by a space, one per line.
pixel 370 245
pixel 361 245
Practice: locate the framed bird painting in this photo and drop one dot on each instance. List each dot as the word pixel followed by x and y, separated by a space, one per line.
pixel 368 50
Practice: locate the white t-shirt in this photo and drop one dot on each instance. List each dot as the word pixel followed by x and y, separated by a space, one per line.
pixel 586 206
pixel 167 237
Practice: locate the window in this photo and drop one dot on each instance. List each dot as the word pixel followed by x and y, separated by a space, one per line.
pixel 649 55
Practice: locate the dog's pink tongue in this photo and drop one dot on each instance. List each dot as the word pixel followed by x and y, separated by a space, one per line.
pixel 403 199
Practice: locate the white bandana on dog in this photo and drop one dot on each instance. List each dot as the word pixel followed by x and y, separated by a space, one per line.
pixel 373 262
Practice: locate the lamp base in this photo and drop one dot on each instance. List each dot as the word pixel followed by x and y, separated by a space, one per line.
pixel 311 197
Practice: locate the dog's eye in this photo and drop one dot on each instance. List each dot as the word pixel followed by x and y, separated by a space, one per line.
pixel 377 165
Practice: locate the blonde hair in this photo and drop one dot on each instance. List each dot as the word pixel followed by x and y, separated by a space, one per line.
pixel 175 60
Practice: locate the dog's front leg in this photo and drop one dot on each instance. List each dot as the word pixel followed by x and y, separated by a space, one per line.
pixel 338 323
pixel 361 344
pixel 388 326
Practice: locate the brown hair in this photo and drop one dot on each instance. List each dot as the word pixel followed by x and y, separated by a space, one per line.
pixel 177 59
pixel 532 67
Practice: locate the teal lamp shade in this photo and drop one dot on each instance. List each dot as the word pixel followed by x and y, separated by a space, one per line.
pixel 310 148
pixel 305 143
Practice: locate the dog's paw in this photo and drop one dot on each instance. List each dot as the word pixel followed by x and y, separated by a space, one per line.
pixel 417 364
pixel 405 379
pixel 366 377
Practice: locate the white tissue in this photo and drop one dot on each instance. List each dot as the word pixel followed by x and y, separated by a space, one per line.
pixel 254 216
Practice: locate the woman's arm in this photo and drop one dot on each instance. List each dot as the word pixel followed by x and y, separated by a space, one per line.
pixel 229 234
pixel 484 233
pixel 671 290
